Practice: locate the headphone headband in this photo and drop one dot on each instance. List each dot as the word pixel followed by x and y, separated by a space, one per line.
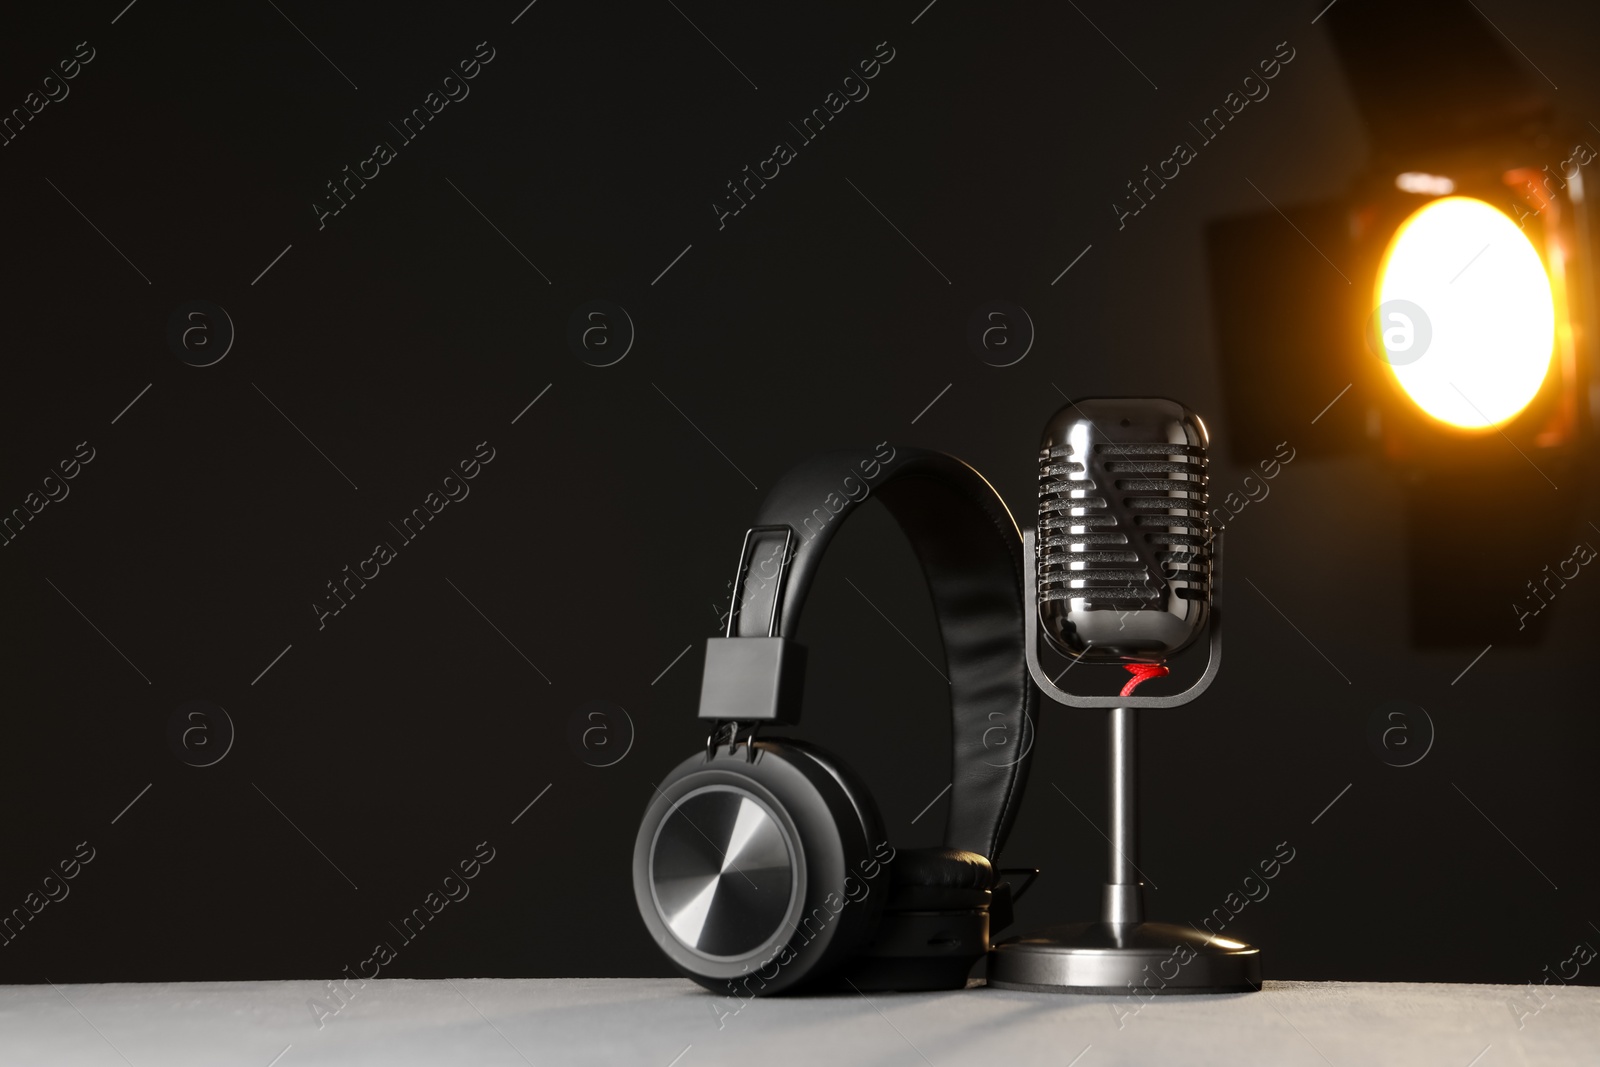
pixel 971 556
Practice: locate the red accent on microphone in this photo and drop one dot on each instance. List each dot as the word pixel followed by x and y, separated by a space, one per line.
pixel 1142 672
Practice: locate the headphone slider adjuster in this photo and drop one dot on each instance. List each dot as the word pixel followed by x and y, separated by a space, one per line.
pixel 753 679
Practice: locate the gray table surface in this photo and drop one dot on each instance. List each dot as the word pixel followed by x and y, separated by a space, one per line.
pixel 661 1022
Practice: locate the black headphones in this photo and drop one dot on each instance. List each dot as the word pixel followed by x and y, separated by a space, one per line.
pixel 761 865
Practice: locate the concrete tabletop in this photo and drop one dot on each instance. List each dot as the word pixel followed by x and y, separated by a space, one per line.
pixel 673 1023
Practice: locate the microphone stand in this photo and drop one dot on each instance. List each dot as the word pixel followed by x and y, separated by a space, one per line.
pixel 1122 953
pixel 1123 901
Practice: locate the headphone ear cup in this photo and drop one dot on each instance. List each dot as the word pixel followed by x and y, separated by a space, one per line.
pixel 936 925
pixel 756 876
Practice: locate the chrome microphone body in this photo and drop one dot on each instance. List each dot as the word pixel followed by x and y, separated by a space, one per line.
pixel 1124 533
pixel 1122 566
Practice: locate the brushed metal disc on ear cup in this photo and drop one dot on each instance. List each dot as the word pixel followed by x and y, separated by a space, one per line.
pixel 722 872
pixel 756 875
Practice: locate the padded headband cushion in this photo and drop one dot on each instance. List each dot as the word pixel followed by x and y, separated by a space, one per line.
pixel 971 556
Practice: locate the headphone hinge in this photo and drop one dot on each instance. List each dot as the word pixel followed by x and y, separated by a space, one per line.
pixel 733 739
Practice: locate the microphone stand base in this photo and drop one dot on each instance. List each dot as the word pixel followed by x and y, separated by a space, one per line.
pixel 1138 959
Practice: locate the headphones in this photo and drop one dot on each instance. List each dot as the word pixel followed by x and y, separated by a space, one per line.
pixel 762 866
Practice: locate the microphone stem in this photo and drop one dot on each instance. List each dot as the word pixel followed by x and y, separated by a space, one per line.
pixel 1123 902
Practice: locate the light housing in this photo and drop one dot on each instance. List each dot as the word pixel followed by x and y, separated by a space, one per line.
pixel 1507 369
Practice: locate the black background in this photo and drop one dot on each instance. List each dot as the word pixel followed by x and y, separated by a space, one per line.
pixel 600 539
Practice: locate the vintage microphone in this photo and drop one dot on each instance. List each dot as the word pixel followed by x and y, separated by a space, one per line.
pixel 1124 567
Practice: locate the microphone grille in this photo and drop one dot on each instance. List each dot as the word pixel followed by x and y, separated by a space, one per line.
pixel 1123 526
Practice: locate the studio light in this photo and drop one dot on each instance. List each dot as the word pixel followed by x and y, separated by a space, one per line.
pixel 1466 319
pixel 1437 315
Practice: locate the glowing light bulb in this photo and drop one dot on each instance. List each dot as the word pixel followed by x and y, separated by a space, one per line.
pixel 1466 320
